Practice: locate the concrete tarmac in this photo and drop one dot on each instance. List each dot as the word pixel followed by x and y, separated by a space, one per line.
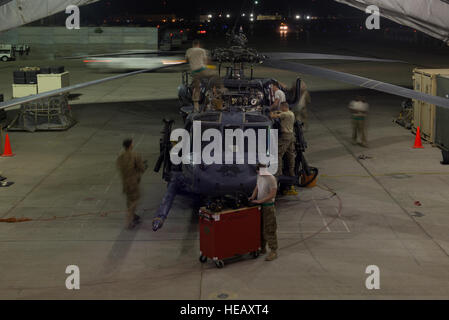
pixel 362 213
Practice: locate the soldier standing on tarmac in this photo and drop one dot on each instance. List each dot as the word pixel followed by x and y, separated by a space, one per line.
pixel 131 167
pixel 265 192
pixel 359 109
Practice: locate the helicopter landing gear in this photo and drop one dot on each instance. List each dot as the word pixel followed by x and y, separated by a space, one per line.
pixel 165 146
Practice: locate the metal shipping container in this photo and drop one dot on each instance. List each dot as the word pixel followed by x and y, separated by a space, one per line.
pixel 442 119
pixel 425 81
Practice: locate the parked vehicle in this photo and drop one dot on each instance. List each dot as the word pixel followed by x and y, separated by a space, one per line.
pixel 7 52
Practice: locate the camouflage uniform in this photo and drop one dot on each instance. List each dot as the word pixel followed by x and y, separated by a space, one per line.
pixel 269 227
pixel 131 167
pixel 287 147
pixel 266 183
pixel 287 143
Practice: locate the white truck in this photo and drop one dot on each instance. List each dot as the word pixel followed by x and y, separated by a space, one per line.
pixel 7 52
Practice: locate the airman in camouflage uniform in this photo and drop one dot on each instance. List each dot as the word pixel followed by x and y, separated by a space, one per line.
pixel 131 167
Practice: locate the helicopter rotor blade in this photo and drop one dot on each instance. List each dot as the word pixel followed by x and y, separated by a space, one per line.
pixel 319 56
pixel 127 53
pixel 19 101
pixel 357 81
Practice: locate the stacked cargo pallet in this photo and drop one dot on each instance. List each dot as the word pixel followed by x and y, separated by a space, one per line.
pixel 34 80
pixel 52 113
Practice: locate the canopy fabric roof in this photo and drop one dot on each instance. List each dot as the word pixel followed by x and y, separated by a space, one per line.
pixel 428 16
pixel 15 13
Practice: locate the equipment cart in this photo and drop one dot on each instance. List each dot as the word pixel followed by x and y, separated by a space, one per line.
pixel 229 233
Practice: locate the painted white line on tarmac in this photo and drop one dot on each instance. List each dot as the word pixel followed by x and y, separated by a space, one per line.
pixel 343 221
pixel 322 217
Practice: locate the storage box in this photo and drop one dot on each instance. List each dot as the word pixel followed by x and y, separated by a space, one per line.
pixel 229 233
pixel 19 77
pixel 57 70
pixel 442 119
pixel 23 90
pixel 425 81
pixel 49 82
pixel 45 70
pixel 31 77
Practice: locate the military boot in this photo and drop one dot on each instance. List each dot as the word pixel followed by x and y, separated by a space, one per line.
pixel 271 256
pixel 136 219
pixel 292 191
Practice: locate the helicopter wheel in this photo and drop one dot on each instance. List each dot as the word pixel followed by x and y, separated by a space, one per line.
pixel 219 264
pixel 203 259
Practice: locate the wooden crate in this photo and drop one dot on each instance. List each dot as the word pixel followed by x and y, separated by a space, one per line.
pixel 425 81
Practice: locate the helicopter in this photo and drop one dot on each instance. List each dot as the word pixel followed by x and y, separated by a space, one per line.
pixel 244 103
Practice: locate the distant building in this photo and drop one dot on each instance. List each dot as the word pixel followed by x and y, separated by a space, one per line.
pixel 139 18
pixel 269 17
pixel 205 18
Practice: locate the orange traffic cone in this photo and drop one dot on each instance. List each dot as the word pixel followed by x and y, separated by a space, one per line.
pixel 8 152
pixel 418 142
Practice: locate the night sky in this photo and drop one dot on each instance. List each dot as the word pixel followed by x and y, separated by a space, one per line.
pixel 190 8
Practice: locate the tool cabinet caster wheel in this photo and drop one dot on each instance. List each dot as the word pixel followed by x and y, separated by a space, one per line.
pixel 219 264
pixel 203 259
pixel 255 254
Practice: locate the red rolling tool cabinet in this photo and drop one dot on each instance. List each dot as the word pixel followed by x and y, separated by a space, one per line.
pixel 229 233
